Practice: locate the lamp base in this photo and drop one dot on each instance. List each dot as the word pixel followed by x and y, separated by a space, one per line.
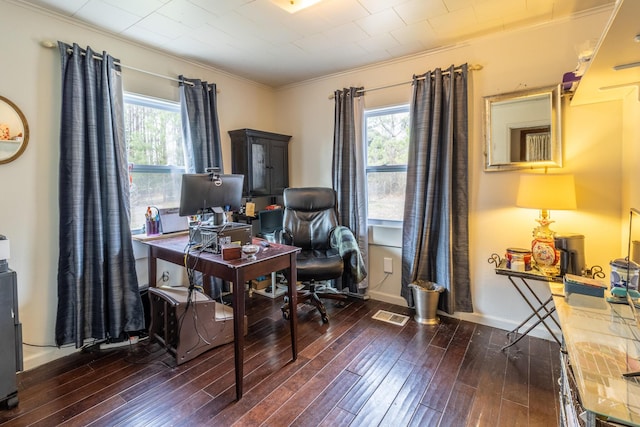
pixel 543 247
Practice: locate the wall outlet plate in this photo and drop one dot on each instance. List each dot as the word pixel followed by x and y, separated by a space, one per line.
pixel 387 265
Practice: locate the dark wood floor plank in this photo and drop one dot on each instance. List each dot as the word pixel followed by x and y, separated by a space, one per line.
pixel 304 396
pixel 425 416
pixel 513 415
pixel 439 390
pixel 541 383
pixel 516 379
pixel 320 407
pixel 408 398
pixel 337 418
pixel 353 371
pixel 374 410
pixel 473 363
pixel 459 405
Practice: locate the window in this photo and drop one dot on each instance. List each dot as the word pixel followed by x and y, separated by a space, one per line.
pixel 155 152
pixel 387 137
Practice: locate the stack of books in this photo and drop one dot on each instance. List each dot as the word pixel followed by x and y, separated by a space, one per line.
pixel 583 285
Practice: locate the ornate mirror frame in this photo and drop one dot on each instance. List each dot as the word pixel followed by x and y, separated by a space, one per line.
pixel 14 131
pixel 523 129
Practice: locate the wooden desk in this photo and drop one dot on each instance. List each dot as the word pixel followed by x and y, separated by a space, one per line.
pixel 273 258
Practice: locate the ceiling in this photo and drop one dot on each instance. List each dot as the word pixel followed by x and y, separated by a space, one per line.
pixel 257 40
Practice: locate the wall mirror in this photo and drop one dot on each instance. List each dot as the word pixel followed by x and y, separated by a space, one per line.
pixel 14 131
pixel 522 129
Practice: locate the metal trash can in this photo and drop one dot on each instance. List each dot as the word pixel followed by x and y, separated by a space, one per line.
pixel 425 299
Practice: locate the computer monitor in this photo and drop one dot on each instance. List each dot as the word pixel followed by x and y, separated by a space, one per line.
pixel 202 192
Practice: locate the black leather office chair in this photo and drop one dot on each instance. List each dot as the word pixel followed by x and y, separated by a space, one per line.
pixel 309 219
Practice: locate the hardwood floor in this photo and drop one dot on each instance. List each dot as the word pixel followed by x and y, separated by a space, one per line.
pixel 353 371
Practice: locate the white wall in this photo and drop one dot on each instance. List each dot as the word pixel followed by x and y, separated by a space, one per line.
pixel 28 186
pixel 513 61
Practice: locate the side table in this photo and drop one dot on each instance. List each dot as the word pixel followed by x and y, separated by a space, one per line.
pixel 542 310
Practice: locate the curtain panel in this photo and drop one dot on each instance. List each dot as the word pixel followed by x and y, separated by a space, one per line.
pixel 98 295
pixel 435 244
pixel 348 170
pixel 200 125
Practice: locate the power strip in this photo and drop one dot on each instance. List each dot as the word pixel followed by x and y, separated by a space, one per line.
pixel 108 345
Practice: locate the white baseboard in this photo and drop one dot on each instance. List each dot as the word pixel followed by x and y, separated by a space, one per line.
pixel 32 357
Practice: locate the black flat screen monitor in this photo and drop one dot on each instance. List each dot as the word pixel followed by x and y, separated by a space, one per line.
pixel 202 192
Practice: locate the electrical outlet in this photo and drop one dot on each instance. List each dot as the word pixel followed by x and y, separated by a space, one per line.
pixel 165 276
pixel 388 265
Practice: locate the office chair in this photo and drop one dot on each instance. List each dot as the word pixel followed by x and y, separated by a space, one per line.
pixel 309 219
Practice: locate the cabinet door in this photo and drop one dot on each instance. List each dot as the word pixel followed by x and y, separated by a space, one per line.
pixel 259 182
pixel 279 166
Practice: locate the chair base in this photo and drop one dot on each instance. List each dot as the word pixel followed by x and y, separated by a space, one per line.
pixel 310 296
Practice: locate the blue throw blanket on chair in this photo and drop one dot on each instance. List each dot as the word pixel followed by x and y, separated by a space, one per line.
pixel 343 239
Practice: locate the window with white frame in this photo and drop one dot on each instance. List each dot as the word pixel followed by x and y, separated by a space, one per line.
pixel 155 154
pixel 386 132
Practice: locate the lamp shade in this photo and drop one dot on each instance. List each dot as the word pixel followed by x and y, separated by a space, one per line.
pixel 546 191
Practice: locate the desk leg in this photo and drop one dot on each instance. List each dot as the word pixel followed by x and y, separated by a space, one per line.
pixel 238 329
pixel 153 279
pixel 292 290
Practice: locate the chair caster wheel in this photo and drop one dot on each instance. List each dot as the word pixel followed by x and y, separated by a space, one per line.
pixel 285 315
pixel 325 319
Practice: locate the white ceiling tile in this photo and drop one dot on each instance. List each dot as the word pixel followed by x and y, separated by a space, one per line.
pixel 381 22
pixel 106 16
pixel 139 8
pixel 346 33
pixel 419 10
pixel 494 9
pixel 461 19
pixel 375 6
pixel 453 5
pixel 380 42
pixel 143 35
pixel 313 42
pixel 419 31
pixel 338 12
pixel 186 13
pixel 220 7
pixel 162 25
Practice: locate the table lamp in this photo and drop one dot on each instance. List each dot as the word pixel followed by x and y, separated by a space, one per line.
pixel 546 192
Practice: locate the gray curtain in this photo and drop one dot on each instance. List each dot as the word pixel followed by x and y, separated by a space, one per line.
pixel 200 127
pixel 348 171
pixel 202 145
pixel 98 295
pixel 435 231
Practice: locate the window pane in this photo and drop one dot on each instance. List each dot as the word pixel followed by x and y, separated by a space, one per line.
pixel 154 135
pixel 386 195
pixel 161 190
pixel 387 138
pixel 154 141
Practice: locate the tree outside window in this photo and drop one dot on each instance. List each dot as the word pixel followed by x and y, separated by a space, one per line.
pixel 155 154
pixel 387 143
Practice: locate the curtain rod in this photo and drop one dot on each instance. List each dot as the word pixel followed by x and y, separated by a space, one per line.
pixel 49 44
pixel 475 67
